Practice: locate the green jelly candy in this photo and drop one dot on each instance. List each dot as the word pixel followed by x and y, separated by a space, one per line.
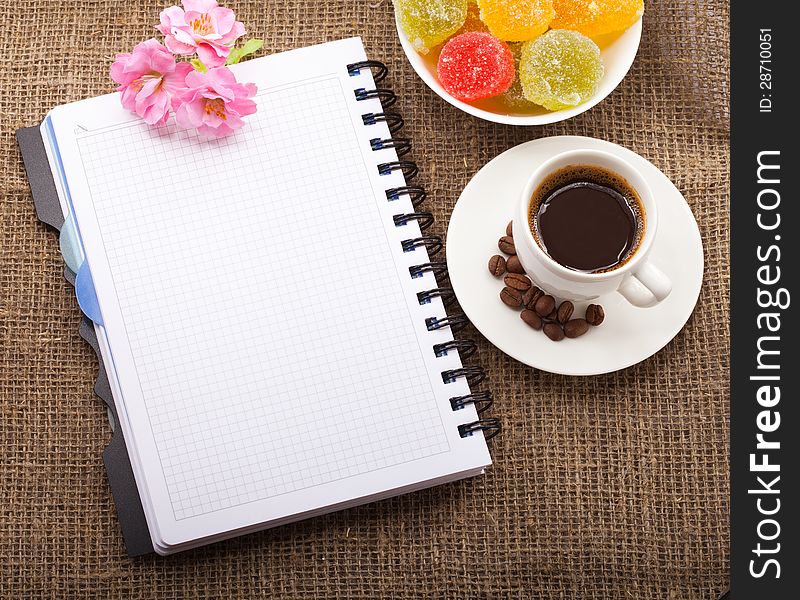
pixel 560 69
pixel 428 23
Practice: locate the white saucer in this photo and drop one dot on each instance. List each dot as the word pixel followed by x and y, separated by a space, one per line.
pixel 629 335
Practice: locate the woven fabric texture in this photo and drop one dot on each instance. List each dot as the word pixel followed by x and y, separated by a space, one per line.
pixel 603 487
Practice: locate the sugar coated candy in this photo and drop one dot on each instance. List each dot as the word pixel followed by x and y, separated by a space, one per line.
pixel 475 65
pixel 428 23
pixel 473 21
pixel 513 99
pixel 596 17
pixel 517 20
pixel 560 69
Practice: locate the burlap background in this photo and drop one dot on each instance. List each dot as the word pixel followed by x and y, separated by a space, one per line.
pixel 604 487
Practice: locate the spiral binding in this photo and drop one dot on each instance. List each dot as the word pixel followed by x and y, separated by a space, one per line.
pixel 490 425
pixel 423 219
pixel 455 322
pixel 433 243
pixel 480 400
pixel 379 75
pixel 392 119
pixel 474 375
pixel 402 146
pixel 387 97
pixel 408 168
pixel 466 348
pixel 446 294
pixel 437 267
pixel 416 194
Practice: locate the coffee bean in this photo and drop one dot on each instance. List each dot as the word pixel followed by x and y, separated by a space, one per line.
pixel 595 314
pixel 575 328
pixel 565 311
pixel 517 281
pixel 545 305
pixel 497 265
pixel 553 316
pixel 510 229
pixel 514 266
pixel 531 318
pixel 554 332
pixel 511 297
pixel 530 297
pixel 506 244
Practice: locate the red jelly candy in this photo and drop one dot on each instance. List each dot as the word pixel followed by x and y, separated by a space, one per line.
pixel 475 65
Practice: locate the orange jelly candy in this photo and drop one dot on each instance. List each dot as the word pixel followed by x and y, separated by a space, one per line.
pixel 596 17
pixel 517 20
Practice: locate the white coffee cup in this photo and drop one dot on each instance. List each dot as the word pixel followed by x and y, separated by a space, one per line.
pixel 638 280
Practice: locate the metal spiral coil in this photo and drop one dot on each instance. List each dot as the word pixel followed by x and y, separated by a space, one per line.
pixel 385 95
pixel 423 219
pixel 416 194
pixel 381 70
pixel 465 348
pixel 455 322
pixel 490 425
pixel 402 146
pixel 473 375
pixel 392 119
pixel 433 244
pixel 447 295
pixel 480 400
pixel 438 268
pixel 408 168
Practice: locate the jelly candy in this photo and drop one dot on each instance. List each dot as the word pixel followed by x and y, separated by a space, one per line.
pixel 596 17
pixel 475 65
pixel 517 20
pixel 513 99
pixel 560 69
pixel 427 23
pixel 473 21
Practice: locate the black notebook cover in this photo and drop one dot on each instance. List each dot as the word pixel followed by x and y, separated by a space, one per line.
pixel 115 456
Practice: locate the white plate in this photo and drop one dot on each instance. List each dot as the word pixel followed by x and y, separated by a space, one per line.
pixel 617 50
pixel 628 335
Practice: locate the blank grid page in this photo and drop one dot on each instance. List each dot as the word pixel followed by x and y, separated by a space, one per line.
pixel 267 322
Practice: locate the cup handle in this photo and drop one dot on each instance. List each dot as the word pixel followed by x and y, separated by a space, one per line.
pixel 647 286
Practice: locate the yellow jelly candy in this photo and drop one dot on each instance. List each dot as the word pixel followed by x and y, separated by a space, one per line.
pixel 516 20
pixel 596 17
pixel 560 69
pixel 427 23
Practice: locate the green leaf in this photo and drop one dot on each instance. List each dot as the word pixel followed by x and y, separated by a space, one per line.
pixel 198 65
pixel 249 47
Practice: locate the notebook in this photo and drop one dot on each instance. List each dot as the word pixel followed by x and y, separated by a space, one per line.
pixel 265 306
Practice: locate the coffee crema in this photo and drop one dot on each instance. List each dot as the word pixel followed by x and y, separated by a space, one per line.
pixel 587 218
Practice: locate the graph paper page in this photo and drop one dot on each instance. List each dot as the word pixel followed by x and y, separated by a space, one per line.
pixel 269 347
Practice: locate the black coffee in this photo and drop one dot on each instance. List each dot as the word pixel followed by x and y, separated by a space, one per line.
pixel 587 218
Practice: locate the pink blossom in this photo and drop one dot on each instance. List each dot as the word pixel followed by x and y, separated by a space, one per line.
pixel 149 78
pixel 203 27
pixel 214 102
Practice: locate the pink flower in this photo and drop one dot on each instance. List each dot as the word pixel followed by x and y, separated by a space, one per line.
pixel 149 78
pixel 214 102
pixel 204 27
